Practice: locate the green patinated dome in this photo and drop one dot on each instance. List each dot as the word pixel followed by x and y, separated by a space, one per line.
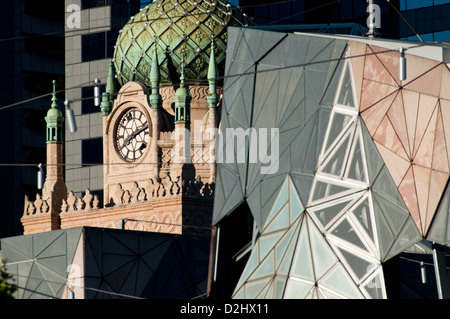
pixel 180 29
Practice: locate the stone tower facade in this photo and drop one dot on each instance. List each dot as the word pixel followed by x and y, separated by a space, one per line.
pixel 160 110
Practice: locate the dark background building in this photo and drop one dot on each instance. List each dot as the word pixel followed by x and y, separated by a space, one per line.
pixel 31 56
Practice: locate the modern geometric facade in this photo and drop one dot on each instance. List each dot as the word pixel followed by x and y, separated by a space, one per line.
pixel 95 263
pixel 362 159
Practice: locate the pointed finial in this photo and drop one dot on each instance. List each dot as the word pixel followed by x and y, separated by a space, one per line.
pixel 155 75
pixel 212 69
pixel 155 78
pixel 213 73
pixel 182 84
pixel 54 99
pixel 107 98
pixel 111 84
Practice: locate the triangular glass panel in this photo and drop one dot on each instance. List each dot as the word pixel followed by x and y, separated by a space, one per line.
pixel 440 226
pixel 279 284
pixel 363 213
pixel 267 243
pixel 240 293
pixel 325 214
pixel 394 215
pixel 339 123
pixel 334 164
pixel 266 292
pixel 322 190
pixel 384 232
pixel 345 95
pixel 322 255
pixel 297 289
pixel 265 268
pixel 284 249
pixel 408 236
pixel 344 230
pixel 295 204
pixel 252 264
pixel 270 187
pixel 280 201
pixel 357 168
pixel 359 266
pixel 384 186
pixel 339 280
pixel 253 288
pixel 302 263
pixel 278 222
pixel 303 184
pixel 374 161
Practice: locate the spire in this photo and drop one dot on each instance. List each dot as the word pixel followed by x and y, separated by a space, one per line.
pixel 155 78
pixel 182 100
pixel 54 120
pixel 54 99
pixel 182 84
pixel 212 78
pixel 110 91
pixel 111 82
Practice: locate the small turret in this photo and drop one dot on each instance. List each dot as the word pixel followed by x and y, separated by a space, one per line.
pixel 182 100
pixel 54 120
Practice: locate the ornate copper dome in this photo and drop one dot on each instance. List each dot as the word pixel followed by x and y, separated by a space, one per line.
pixel 180 29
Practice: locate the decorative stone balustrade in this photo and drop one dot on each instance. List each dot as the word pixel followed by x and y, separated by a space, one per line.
pixel 35 208
pixel 156 188
pixel 73 203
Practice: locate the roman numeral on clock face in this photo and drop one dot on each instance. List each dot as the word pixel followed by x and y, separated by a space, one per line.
pixel 132 135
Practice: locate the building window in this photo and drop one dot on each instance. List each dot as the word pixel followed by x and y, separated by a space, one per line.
pixel 86 4
pixel 416 4
pixel 92 151
pixel 96 46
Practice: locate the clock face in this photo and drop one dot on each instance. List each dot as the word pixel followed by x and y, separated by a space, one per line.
pixel 132 135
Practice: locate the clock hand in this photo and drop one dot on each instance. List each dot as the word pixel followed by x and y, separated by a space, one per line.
pixel 134 134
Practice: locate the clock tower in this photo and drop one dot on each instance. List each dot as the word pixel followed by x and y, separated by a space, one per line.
pixel 160 112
